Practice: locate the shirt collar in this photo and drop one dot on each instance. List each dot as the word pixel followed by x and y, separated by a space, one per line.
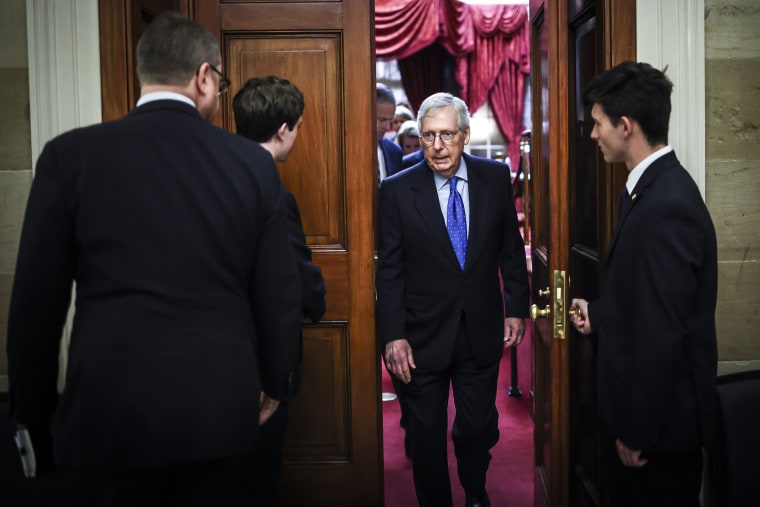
pixel 441 181
pixel 635 175
pixel 153 96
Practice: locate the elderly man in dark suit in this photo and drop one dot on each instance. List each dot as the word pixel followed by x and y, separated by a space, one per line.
pixel 655 319
pixel 188 299
pixel 448 229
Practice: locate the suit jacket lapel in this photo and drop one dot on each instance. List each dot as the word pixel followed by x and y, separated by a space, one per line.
pixel 427 205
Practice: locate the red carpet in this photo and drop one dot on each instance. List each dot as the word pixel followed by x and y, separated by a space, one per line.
pixel 510 475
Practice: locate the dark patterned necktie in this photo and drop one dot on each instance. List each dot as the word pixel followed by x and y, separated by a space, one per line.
pixel 456 223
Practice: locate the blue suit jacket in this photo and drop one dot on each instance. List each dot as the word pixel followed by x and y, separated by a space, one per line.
pixel 413 158
pixel 392 154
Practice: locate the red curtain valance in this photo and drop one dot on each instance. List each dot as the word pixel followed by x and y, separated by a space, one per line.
pixel 491 44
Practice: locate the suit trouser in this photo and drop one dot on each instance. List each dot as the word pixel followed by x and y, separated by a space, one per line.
pixel 667 480
pixel 474 432
pixel 214 482
pixel 268 457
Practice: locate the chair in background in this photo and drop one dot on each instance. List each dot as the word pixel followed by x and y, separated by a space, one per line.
pixel 732 461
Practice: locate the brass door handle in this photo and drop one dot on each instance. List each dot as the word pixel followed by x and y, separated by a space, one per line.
pixel 537 313
pixel 545 292
pixel 574 311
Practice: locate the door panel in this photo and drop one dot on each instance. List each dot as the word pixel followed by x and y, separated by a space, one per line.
pixel 333 448
pixel 310 63
pixel 586 188
pixel 572 214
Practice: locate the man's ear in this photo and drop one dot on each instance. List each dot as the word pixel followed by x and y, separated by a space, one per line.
pixel 204 82
pixel 627 123
pixel 282 131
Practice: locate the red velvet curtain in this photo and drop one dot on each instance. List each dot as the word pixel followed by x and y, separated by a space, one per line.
pixel 490 42
pixel 497 67
pixel 426 72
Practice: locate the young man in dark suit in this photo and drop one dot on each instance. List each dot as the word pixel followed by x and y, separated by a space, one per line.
pixel 175 232
pixel 269 110
pixel 655 320
pixel 448 228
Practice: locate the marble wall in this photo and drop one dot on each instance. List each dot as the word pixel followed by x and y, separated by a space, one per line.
pixel 15 152
pixel 732 179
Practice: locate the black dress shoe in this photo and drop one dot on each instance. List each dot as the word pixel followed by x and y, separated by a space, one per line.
pixel 477 501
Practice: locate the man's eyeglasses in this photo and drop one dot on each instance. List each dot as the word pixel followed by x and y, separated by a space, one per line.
pixel 224 81
pixel 447 137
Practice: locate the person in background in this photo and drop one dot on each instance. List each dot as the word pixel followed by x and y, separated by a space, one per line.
pixel 655 319
pixel 447 228
pixel 388 153
pixel 408 137
pixel 175 232
pixel 269 110
pixel 403 113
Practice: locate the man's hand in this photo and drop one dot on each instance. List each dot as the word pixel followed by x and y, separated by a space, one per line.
pixel 399 359
pixel 267 407
pixel 580 317
pixel 514 331
pixel 628 456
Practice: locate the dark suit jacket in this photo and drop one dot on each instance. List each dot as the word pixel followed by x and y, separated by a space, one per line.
pixel 413 158
pixel 188 299
pixel 392 153
pixel 656 318
pixel 422 291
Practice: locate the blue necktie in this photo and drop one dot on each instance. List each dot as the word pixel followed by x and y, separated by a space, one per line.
pixel 456 222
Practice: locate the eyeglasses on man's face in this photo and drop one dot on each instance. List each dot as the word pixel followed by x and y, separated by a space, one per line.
pixel 224 81
pixel 447 137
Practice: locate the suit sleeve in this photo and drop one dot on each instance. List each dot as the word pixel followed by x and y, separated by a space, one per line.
pixel 391 274
pixel 670 253
pixel 41 292
pixel 276 292
pixel 312 283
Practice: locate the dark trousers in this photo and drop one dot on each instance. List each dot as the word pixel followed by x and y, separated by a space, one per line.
pixel 474 432
pixel 667 480
pixel 215 482
pixel 268 458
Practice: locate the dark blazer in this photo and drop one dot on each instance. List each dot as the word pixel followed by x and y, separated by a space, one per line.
pixel 392 153
pixel 413 158
pixel 188 299
pixel 421 290
pixel 657 359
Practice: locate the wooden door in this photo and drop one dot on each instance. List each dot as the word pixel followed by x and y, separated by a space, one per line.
pixel 572 214
pixel 333 449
